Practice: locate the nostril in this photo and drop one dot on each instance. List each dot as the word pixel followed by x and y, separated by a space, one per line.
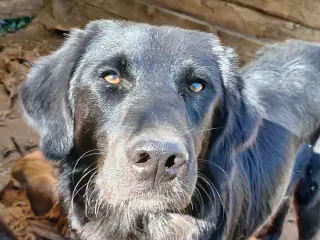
pixel 170 161
pixel 143 158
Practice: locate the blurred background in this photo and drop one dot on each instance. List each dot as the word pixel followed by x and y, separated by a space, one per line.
pixel 31 28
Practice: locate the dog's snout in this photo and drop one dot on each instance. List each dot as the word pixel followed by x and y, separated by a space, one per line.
pixel 157 161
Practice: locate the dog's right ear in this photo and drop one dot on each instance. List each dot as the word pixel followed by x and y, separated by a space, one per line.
pixel 44 96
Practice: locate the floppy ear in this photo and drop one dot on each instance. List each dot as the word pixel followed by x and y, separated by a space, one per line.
pixel 243 121
pixel 44 97
pixel 240 107
pixel 239 112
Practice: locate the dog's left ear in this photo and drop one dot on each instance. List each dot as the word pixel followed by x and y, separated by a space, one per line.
pixel 243 122
pixel 237 120
pixel 44 97
pixel 240 111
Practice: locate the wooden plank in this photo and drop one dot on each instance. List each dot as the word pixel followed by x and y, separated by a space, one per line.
pixel 80 12
pixel 304 12
pixel 237 18
pixel 139 11
pixel 67 14
pixel 19 8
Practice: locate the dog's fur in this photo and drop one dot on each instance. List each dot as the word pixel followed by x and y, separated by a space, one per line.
pixel 307 198
pixel 303 192
pixel 239 161
pixel 288 78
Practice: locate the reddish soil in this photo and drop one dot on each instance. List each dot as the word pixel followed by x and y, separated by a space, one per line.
pixel 17 52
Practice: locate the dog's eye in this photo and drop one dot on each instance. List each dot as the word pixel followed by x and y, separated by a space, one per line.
pixel 112 78
pixel 196 87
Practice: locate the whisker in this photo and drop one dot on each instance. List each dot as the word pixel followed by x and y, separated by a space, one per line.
pixel 81 157
pixel 87 202
pixel 88 197
pixel 208 195
pixel 76 192
pixel 189 197
pixel 202 130
pixel 217 166
pixel 199 199
pixel 218 194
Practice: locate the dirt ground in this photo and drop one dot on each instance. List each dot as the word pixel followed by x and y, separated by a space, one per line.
pixel 17 52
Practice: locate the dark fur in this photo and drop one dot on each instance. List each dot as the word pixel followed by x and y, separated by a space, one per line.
pixel 304 192
pixel 307 200
pixel 248 157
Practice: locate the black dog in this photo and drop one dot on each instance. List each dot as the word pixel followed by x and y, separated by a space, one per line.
pixel 307 199
pixel 159 137
pixel 284 73
pixel 304 193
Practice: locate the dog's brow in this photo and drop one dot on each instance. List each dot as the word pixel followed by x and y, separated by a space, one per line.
pixel 117 61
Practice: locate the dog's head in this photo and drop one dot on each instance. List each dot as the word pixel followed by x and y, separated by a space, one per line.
pixel 136 112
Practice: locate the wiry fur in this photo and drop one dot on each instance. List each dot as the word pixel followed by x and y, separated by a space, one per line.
pixel 307 196
pixel 288 76
pixel 240 158
pixel 303 192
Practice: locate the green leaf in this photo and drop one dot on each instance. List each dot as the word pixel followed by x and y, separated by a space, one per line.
pixel 13 25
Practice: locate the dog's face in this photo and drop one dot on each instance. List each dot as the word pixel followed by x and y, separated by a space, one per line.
pixel 144 104
pixel 131 108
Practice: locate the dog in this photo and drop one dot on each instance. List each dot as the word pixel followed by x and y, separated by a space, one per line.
pixel 284 72
pixel 159 135
pixel 303 193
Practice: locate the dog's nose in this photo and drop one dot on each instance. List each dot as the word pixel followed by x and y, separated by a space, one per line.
pixel 158 161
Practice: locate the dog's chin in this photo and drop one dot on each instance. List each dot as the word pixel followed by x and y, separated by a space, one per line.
pixel 143 198
pixel 137 219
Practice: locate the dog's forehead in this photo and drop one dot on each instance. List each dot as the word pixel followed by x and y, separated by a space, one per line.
pixel 142 41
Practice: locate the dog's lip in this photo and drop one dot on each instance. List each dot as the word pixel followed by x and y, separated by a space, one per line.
pixel 155 204
pixel 147 192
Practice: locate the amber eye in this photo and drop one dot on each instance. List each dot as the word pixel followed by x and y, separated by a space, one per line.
pixel 196 87
pixel 112 78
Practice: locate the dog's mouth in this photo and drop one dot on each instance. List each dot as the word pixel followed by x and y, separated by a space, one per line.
pixel 152 200
pixel 174 196
pixel 155 204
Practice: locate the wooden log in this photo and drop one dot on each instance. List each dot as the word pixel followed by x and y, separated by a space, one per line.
pixel 143 12
pixel 67 14
pixel 78 12
pixel 241 19
pixel 19 8
pixel 304 12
